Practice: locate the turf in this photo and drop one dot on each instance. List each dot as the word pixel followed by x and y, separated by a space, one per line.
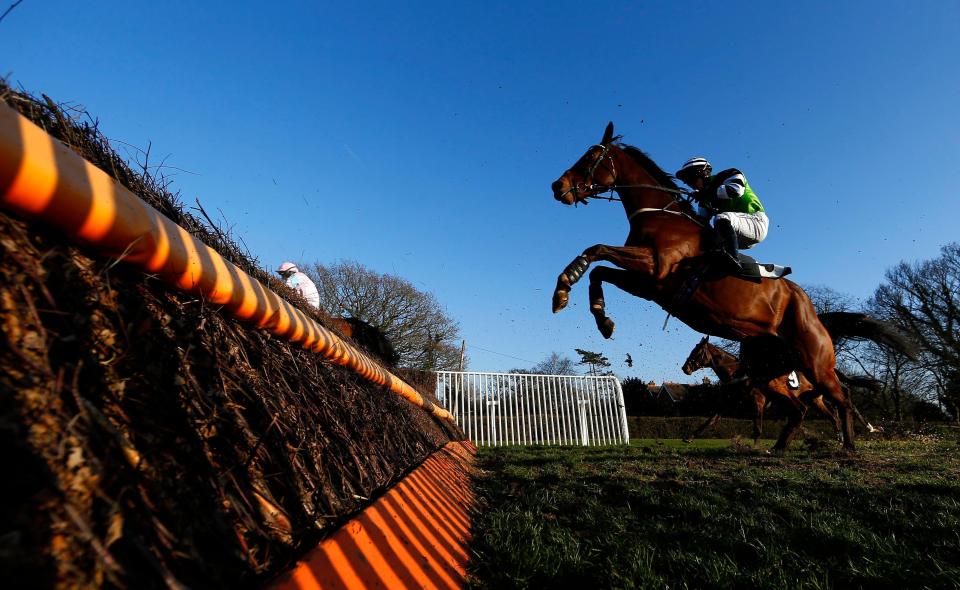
pixel 717 514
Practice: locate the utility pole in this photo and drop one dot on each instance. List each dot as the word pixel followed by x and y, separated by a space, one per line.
pixel 463 350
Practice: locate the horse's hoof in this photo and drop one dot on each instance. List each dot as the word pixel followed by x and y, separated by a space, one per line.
pixel 560 300
pixel 606 327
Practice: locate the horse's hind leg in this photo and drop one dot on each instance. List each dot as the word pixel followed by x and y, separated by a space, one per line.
pixel 832 415
pixel 760 402
pixel 829 385
pixel 794 418
pixel 795 413
pixel 856 412
pixel 863 420
pixel 818 359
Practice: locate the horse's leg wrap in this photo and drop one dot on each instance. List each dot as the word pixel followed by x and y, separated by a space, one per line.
pixel 570 275
pixel 574 271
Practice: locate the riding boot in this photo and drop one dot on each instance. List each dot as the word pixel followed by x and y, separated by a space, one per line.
pixel 729 245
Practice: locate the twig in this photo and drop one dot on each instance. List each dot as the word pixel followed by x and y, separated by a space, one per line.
pixel 213 225
pixel 7 11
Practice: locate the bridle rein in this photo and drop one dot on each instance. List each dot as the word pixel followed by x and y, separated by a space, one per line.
pixel 589 186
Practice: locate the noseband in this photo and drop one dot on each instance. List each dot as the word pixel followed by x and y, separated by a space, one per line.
pixel 588 185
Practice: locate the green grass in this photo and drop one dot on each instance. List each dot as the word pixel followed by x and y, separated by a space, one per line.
pixel 665 514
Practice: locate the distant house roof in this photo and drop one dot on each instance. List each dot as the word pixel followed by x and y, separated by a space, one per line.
pixel 677 392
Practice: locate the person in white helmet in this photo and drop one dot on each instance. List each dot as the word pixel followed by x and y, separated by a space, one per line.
pixel 300 283
pixel 726 196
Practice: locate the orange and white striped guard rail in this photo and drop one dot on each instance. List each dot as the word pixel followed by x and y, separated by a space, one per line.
pixel 414 536
pixel 42 179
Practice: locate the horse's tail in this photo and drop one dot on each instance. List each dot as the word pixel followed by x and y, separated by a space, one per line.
pixel 843 324
pixel 859 381
pixel 373 340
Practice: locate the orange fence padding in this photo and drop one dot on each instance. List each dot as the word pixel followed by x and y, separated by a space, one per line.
pixel 414 536
pixel 42 179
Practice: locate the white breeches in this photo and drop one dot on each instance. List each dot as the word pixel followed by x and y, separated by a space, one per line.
pixel 751 228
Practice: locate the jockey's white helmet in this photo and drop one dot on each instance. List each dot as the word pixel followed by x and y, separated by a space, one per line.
pixel 287 266
pixel 695 163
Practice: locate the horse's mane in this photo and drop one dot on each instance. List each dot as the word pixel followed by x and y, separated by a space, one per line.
pixel 649 165
pixel 714 349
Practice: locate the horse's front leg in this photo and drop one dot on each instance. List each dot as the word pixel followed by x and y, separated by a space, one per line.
pixel 703 428
pixel 567 279
pixel 631 282
pixel 640 259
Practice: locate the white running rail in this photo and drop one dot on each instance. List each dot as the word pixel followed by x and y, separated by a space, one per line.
pixel 518 409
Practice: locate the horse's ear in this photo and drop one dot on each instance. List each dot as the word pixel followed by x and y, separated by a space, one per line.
pixel 607 134
pixel 705 339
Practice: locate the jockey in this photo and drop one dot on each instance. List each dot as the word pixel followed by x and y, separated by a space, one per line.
pixel 299 282
pixel 726 196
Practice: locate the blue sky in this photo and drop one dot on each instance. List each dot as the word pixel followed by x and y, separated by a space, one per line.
pixel 421 139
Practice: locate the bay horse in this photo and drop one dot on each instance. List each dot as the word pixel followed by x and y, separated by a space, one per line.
pixel 369 337
pixel 666 248
pixel 728 369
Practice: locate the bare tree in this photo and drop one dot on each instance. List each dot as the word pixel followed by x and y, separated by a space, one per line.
pixel 555 364
pixel 827 299
pixel 901 379
pixel 924 299
pixel 421 332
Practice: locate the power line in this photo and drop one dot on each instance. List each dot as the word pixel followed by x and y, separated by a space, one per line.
pixel 501 354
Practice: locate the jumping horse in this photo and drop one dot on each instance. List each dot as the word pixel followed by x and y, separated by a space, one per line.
pixel 665 253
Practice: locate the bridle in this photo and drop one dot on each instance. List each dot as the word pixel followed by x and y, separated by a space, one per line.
pixel 718 364
pixel 589 186
pixel 700 357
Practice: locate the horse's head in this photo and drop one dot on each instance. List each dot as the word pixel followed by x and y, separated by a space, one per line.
pixel 699 358
pixel 591 175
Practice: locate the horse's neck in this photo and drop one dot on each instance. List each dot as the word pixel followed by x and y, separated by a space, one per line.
pixel 724 364
pixel 634 197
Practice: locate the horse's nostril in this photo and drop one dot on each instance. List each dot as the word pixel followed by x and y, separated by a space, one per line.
pixel 557 185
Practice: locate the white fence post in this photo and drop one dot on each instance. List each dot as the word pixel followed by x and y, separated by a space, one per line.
pixel 584 430
pixel 511 408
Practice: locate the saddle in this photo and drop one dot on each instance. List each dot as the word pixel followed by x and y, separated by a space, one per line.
pixel 756 270
pixel 751 271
